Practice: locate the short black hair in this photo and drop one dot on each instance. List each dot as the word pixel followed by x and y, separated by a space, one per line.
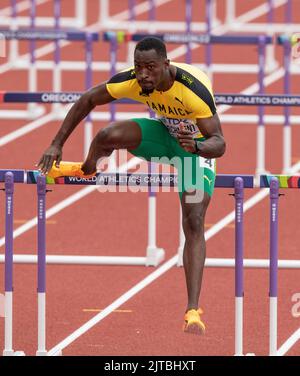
pixel 152 43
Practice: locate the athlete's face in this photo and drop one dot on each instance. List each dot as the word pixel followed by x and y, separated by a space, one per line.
pixel 149 69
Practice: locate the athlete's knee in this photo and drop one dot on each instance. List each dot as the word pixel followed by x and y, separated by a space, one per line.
pixel 193 223
pixel 109 136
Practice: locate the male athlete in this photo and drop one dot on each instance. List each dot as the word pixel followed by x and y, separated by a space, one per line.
pixel 187 129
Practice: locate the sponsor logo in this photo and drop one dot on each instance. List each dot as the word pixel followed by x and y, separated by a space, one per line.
pixel 60 97
pixel 178 100
pixel 187 79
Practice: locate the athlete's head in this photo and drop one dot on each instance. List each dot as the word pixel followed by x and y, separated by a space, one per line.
pixel 151 63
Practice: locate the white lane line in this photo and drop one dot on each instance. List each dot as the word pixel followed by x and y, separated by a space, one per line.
pixel 258 12
pixel 139 9
pixel 9 137
pixel 289 343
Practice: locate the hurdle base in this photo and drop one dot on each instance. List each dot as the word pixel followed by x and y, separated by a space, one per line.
pixel 13 353
pixel 36 111
pixel 154 256
pixel 23 114
pixel 57 353
pixel 41 353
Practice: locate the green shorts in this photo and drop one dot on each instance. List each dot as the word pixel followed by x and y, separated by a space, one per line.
pixel 157 145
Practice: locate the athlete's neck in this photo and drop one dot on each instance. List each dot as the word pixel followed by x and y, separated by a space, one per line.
pixel 168 80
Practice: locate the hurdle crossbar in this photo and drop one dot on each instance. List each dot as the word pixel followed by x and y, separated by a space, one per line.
pixel 150 180
pixel 277 100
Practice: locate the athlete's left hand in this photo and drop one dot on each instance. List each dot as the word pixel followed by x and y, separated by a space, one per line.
pixel 186 140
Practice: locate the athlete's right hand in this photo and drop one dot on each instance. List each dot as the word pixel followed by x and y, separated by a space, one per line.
pixel 53 153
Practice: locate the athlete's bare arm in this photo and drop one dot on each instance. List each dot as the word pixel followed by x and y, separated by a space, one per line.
pixel 98 95
pixel 214 145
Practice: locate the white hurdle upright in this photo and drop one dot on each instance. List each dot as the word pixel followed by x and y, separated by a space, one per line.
pixel 78 20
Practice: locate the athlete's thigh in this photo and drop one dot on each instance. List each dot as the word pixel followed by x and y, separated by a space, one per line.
pixel 155 144
pixel 122 134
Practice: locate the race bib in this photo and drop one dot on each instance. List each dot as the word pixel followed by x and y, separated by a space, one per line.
pixel 173 126
pixel 207 163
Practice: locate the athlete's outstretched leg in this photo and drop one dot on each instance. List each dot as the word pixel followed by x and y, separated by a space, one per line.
pixel 117 135
pixel 193 216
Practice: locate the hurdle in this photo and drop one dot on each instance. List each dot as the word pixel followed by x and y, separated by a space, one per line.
pixel 208 25
pixel 272 27
pixel 212 25
pixel 9 16
pixel 46 35
pixel 159 180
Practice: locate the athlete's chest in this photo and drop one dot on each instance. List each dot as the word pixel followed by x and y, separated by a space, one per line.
pixel 171 103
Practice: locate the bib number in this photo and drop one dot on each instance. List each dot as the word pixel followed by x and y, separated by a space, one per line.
pixel 207 163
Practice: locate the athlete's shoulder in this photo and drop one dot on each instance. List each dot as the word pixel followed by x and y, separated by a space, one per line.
pixel 188 74
pixel 195 81
pixel 123 76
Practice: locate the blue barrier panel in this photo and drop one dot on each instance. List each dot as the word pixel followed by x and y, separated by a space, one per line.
pixel 122 179
pixel 190 38
pixel 42 34
pixel 19 175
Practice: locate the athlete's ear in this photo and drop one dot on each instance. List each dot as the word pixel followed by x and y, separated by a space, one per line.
pixel 167 62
